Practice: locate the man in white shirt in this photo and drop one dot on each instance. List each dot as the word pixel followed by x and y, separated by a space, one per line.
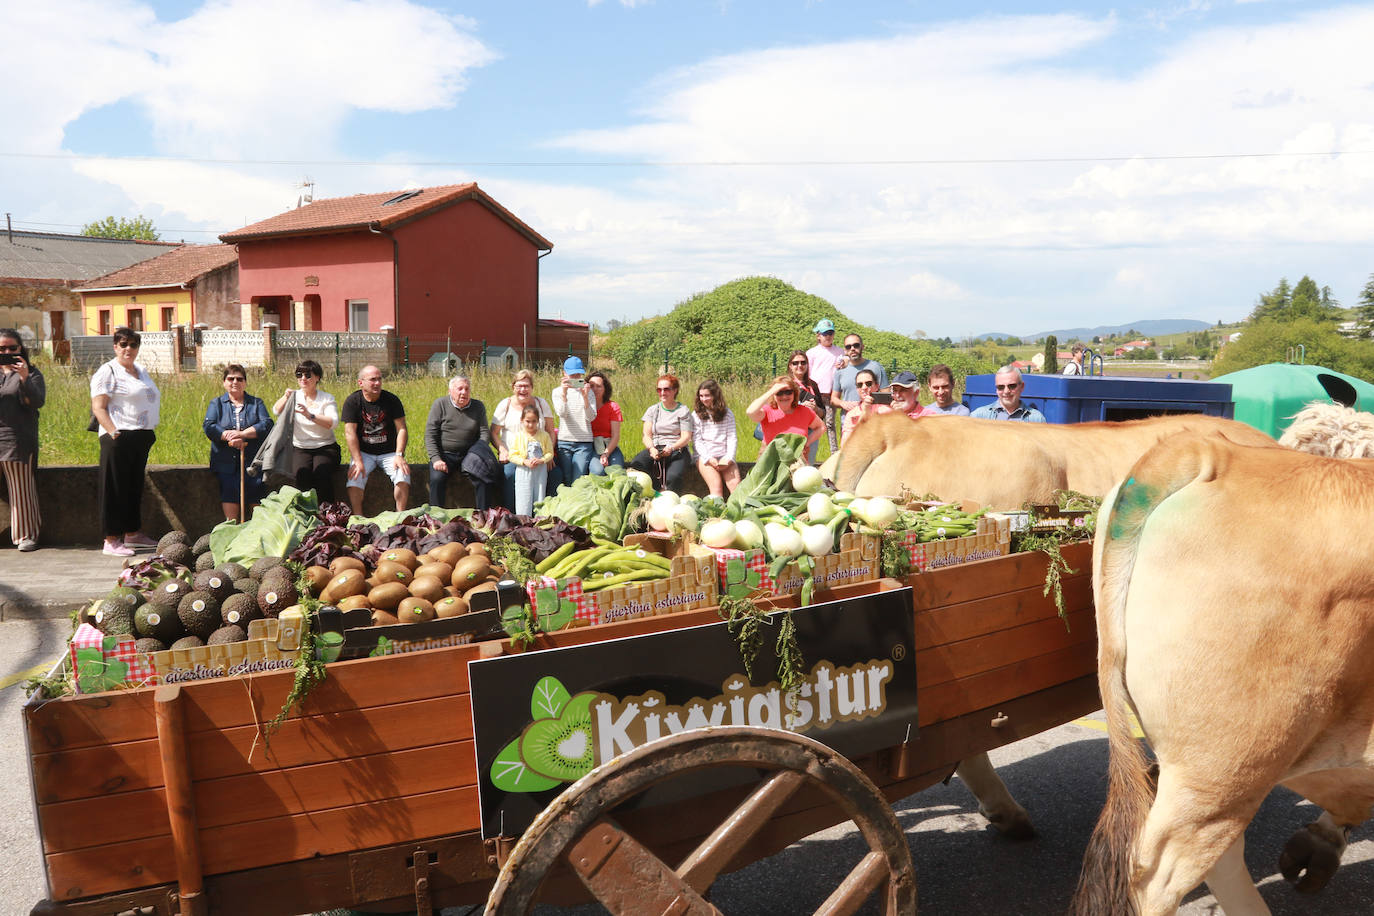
pixel 824 359
pixel 575 406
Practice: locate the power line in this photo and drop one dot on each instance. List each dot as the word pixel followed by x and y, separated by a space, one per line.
pixel 26 223
pixel 708 163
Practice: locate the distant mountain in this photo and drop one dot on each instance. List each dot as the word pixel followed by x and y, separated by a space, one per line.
pixel 1148 327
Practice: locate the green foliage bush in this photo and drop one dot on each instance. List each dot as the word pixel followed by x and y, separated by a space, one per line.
pixel 741 328
pixel 1270 341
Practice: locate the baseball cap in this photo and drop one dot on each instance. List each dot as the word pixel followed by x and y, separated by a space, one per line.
pixel 904 380
pixel 572 365
pixel 823 326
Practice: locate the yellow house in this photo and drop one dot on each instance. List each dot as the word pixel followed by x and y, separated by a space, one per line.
pixel 187 286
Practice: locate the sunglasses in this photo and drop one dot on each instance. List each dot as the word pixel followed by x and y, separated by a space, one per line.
pixel 1009 387
pixel 857 346
pixel 798 362
pixel 9 349
pixel 662 390
pixel 235 378
pixel 865 384
pixel 127 346
pixel 787 394
pixel 304 374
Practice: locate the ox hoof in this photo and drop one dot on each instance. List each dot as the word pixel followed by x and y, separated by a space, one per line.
pixel 1014 825
pixel 1309 860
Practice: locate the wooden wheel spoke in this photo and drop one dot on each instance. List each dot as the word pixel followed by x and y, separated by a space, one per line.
pixel 857 886
pixel 705 862
pixel 627 878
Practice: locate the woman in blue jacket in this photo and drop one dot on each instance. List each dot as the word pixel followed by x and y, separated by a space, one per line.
pixel 236 423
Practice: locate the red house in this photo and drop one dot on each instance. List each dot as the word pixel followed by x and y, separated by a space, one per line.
pixel 429 263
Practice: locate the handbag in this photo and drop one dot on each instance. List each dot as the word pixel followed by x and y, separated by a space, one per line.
pixel 480 463
pixel 94 425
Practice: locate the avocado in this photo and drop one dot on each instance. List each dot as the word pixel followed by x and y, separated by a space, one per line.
pixel 262 564
pixel 169 594
pixel 275 595
pixel 199 613
pixel 202 545
pixel 233 571
pixel 240 609
pixel 246 584
pixel 130 596
pixel 114 617
pixel 147 645
pixel 187 642
pixel 214 582
pixel 230 633
pixel 205 561
pixel 170 538
pixel 179 554
pixel 155 621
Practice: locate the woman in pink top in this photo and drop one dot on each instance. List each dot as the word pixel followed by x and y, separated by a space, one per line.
pixel 777 411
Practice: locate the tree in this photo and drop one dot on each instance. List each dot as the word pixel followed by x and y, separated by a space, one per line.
pixel 1273 303
pixel 140 227
pixel 1051 366
pixel 1305 300
pixel 1367 305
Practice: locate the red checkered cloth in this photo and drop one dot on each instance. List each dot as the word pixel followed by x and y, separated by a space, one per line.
pixel 753 560
pixel 118 651
pixel 570 589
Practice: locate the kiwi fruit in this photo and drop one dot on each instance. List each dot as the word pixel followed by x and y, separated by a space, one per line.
pixel 173 537
pixel 400 555
pixel 437 569
pixel 450 606
pixel 344 585
pixel 179 554
pixel 354 602
pixel 480 587
pixel 202 545
pixel 562 748
pixel 240 609
pixel 428 588
pixel 391 571
pixel 205 562
pixel 469 571
pixel 476 549
pixel 199 613
pixel 387 596
pixel 230 633
pixel 449 553
pixel 262 564
pixel 339 564
pixel 233 571
pixel 415 610
pixel 215 582
pixel 319 577
pixel 276 596
pixel 382 618
pixel 187 642
pixel 147 645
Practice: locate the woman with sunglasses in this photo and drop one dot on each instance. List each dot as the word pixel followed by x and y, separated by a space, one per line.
pixel 667 432
pixel 866 384
pixel 315 451
pixel 236 423
pixel 777 411
pixel 125 405
pixel 808 392
pixel 22 393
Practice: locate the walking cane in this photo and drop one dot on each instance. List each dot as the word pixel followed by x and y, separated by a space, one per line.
pixel 241 487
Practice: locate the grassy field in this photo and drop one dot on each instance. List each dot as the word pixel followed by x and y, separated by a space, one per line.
pixel 63 439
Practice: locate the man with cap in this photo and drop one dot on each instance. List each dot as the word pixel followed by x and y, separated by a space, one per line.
pixel 906 390
pixel 1008 405
pixel 575 406
pixel 824 358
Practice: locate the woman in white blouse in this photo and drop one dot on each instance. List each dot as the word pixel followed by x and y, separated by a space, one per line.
pixel 715 439
pixel 315 451
pixel 125 404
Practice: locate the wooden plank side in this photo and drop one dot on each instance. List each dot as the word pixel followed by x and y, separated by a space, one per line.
pixel 955 698
pixel 256 796
pixel 966 658
pixel 100 772
pixel 965 620
pixel 139 863
pixel 987 578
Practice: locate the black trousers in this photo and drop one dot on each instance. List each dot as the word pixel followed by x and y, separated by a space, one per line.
pixel 314 469
pixel 438 482
pixel 666 474
pixel 122 464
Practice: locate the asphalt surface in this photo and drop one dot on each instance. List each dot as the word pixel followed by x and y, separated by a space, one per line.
pixel 962 865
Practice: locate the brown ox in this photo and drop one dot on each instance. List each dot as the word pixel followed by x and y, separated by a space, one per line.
pixel 1004 464
pixel 1235 615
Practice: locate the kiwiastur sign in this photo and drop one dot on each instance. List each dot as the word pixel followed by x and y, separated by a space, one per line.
pixel 544 719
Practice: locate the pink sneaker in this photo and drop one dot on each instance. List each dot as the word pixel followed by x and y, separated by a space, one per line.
pixel 117 550
pixel 139 540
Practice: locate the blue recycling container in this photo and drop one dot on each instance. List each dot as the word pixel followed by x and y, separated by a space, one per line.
pixel 1086 398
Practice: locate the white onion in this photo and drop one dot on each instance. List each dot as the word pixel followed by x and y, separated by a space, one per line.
pixel 783 541
pixel 685 517
pixel 748 535
pixel 880 512
pixel 819 508
pixel 819 540
pixel 807 479
pixel 718 532
pixel 646 483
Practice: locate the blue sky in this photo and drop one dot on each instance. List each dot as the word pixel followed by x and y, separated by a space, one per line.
pixel 887 156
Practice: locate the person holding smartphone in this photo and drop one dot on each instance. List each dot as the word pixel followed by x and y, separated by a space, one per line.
pixel 574 401
pixel 871 402
pixel 22 393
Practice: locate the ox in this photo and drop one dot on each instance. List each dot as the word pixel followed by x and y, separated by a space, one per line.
pixel 1005 464
pixel 1243 648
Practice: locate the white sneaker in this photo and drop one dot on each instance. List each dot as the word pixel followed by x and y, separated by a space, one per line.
pixel 27 544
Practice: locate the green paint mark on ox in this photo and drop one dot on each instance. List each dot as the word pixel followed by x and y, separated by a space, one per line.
pixel 1133 502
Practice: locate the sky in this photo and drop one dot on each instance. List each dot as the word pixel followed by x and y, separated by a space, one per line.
pixel 934 168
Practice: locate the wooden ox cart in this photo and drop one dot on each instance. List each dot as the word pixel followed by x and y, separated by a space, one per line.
pixel 165 800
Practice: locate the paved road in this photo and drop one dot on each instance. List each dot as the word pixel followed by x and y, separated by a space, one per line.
pixel 962 866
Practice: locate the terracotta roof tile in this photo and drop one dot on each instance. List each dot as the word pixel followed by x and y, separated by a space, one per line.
pixel 180 265
pixel 341 214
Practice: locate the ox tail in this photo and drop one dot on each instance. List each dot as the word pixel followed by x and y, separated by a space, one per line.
pixel 1104 886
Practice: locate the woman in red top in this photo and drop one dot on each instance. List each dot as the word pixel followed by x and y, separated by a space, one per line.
pixel 777 411
pixel 605 426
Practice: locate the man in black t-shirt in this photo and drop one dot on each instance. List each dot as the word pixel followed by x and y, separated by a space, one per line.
pixel 375 430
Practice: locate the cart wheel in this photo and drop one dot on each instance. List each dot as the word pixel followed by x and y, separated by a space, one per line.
pixel 626 877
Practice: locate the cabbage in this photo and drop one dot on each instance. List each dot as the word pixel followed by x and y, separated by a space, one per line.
pixel 807 479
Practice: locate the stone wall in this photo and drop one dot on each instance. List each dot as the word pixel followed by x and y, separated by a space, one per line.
pixel 187 498
pixel 220 348
pixel 217 298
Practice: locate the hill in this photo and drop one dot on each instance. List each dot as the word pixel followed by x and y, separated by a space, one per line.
pixel 751 325
pixel 1146 327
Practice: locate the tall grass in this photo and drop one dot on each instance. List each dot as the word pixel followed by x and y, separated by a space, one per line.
pixel 63 439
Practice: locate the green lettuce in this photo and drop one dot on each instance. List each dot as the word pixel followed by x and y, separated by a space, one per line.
pixel 277 527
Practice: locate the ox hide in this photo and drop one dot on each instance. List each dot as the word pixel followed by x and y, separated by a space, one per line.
pixel 1005 464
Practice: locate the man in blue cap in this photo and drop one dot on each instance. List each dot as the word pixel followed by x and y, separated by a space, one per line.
pixel 824 359
pixel 575 406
